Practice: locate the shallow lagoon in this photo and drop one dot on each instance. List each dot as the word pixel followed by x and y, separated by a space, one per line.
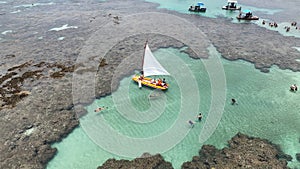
pixel 266 109
pixel 214 10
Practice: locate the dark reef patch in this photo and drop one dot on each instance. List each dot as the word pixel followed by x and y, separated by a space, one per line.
pixel 242 152
pixel 146 162
pixel 11 83
pixel 37 70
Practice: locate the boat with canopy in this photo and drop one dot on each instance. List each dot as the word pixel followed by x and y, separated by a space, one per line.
pixel 246 15
pixel 232 5
pixel 199 7
pixel 151 67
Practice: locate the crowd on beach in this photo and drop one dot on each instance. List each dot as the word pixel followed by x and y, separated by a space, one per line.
pixel 287 28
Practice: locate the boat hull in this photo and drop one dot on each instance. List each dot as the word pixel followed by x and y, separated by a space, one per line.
pixel 193 9
pixel 248 18
pixel 147 82
pixel 231 9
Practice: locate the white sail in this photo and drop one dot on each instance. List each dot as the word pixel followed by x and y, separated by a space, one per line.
pixel 151 66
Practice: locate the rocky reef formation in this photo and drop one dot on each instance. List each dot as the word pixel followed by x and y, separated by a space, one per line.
pixel 11 84
pixel 145 162
pixel 242 152
pixel 298 156
pixel 34 113
pixel 240 42
pixel 36 66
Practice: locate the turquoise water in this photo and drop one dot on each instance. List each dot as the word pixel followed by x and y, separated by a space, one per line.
pixel 214 10
pixel 266 109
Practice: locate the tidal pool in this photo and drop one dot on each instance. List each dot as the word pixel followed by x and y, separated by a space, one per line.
pixel 266 108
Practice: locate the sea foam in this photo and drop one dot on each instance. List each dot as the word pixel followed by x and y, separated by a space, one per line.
pixel 63 28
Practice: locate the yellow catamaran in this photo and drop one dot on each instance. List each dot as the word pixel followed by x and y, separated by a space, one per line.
pixel 151 67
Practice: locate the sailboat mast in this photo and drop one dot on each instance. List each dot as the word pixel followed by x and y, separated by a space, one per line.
pixel 144 54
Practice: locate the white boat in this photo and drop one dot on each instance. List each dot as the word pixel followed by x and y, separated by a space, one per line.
pixel 151 67
pixel 232 5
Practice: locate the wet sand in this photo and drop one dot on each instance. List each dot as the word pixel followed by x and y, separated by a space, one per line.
pixel 40 64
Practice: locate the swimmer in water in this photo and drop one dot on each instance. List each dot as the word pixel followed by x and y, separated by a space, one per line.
pixel 191 123
pixel 99 109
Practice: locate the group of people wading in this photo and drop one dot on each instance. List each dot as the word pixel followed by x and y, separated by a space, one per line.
pixel 287 28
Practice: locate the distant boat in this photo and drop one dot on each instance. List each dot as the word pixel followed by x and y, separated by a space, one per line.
pixel 246 15
pixel 232 5
pixel 199 7
pixel 151 67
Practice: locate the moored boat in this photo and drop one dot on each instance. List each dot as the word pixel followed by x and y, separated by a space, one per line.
pixel 247 15
pixel 199 7
pixel 232 5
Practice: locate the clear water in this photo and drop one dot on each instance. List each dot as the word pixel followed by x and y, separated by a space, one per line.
pixel 214 10
pixel 266 108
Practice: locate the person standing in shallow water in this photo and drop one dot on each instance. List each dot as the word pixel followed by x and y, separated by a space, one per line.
pixel 199 117
pixel 233 101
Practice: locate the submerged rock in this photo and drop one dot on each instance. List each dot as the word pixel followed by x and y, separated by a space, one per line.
pixel 144 162
pixel 242 152
pixel 298 156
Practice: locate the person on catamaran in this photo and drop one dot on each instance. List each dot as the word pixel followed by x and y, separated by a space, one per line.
pixel 164 82
pixel 159 82
pixel 140 81
pixel 141 77
pixel 152 81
